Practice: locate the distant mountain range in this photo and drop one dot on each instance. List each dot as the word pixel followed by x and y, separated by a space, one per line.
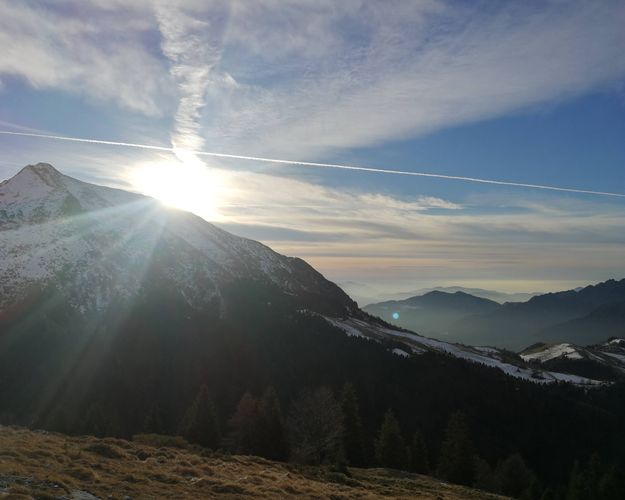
pixel 586 315
pixel 493 295
pixel 433 314
pixel 365 294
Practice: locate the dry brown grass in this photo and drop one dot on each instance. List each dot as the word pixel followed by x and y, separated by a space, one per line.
pixel 47 465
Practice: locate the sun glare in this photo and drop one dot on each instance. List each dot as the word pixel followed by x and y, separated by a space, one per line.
pixel 187 185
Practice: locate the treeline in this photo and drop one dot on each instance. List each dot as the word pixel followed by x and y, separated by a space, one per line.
pixel 320 427
pixel 142 371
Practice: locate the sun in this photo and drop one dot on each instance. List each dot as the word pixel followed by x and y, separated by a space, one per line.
pixel 189 185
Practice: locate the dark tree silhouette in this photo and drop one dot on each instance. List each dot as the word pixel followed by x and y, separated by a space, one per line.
pixel 153 422
pixel 456 463
pixel 244 425
pixel 271 432
pixel 200 424
pixel 315 428
pixel 100 422
pixel 353 434
pixel 419 461
pixel 390 448
pixel 514 477
pixel 611 485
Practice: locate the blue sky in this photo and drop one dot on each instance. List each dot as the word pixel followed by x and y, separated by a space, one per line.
pixel 530 92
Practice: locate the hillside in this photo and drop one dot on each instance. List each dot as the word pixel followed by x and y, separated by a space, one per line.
pixel 607 320
pixel 48 465
pixel 517 325
pixel 432 314
pixel 587 315
pixel 605 361
pixel 96 246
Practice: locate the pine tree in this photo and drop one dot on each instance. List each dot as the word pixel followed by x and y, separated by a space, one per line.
pixel 610 488
pixel 153 422
pixel 593 473
pixel 271 432
pixel 353 442
pixel 390 448
pixel 100 422
pixel 577 488
pixel 514 477
pixel 485 478
pixel 585 481
pixel 419 462
pixel 245 426
pixel 315 428
pixel 456 462
pixel 200 424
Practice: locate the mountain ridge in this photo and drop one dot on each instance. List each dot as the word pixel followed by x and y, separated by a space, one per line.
pixel 586 315
pixel 34 204
pixel 367 294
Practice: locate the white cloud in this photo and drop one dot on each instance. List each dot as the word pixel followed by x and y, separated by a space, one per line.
pixel 428 67
pixel 380 237
pixel 193 46
pixel 101 55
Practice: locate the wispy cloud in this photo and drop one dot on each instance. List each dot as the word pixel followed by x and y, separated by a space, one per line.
pixel 101 55
pixel 191 41
pixel 407 72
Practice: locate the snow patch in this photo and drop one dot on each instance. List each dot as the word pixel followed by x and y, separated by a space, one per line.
pixel 419 344
pixel 400 352
pixel 547 353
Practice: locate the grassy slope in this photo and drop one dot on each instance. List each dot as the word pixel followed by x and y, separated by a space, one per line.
pixel 48 465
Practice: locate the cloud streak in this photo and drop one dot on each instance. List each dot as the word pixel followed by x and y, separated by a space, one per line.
pixel 192 45
pixel 352 168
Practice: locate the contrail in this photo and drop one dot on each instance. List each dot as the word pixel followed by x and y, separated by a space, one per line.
pixel 318 165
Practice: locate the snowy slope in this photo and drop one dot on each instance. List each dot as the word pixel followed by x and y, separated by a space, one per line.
pixel 609 354
pixel 564 350
pixel 96 245
pixel 418 344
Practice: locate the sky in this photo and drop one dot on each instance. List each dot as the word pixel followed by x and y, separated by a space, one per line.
pixel 527 92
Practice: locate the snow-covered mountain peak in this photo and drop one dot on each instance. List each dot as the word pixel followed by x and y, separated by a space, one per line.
pixel 33 181
pixel 41 172
pixel 40 193
pixel 95 244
